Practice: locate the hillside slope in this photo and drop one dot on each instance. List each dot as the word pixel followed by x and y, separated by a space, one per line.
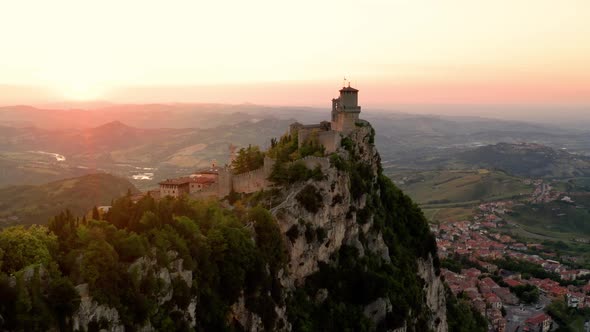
pixel 528 159
pixel 36 204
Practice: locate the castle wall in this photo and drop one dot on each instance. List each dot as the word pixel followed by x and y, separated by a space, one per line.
pixel 224 182
pixel 303 134
pixel 312 162
pixel 251 181
pixel 330 140
pixel 256 180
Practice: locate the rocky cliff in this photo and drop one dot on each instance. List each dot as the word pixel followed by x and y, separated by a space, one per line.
pixel 347 214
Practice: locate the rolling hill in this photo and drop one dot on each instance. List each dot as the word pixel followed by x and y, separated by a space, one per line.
pixel 527 160
pixel 446 187
pixel 27 204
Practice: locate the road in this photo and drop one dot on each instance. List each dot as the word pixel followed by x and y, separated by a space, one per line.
pixel 515 315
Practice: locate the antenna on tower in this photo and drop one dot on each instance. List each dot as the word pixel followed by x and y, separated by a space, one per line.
pixel 344 82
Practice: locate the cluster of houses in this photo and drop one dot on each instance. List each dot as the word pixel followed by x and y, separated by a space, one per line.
pixel 473 241
pixel 544 193
pixel 486 296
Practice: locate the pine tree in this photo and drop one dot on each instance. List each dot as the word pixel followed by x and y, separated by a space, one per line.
pixel 95 213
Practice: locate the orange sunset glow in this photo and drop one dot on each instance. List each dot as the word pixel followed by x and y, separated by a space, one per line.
pixel 457 51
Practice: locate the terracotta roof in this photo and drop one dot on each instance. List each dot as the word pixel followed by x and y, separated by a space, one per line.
pixel 538 319
pixel 209 171
pixel 202 180
pixel 177 181
pixel 512 282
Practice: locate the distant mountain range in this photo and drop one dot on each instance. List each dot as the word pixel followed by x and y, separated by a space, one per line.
pixel 166 140
pixel 36 204
pixel 124 150
pixel 146 115
pixel 528 160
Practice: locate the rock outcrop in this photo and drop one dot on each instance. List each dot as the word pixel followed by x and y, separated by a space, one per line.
pixel 314 237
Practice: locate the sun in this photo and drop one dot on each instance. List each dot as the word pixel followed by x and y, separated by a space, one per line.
pixel 79 90
pixel 75 79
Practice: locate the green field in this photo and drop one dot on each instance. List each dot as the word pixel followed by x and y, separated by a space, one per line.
pixel 445 214
pixel 556 219
pixel 455 188
pixel 447 195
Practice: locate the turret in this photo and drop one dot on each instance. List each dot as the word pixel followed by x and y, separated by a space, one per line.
pixel 349 98
pixel 345 110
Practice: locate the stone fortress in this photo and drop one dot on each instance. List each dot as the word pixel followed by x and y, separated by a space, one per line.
pixel 220 181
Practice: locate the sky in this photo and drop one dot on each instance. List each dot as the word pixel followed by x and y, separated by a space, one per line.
pixel 526 52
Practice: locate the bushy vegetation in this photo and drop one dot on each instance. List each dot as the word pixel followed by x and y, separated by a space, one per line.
pixel 338 162
pixel 226 259
pixel 286 152
pixel 462 317
pixel 528 269
pixel 294 172
pixel 247 159
pixel 458 262
pixel 310 198
pixel 568 319
pixel 526 293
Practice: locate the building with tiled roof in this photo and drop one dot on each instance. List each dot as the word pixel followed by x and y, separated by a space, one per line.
pixel 539 323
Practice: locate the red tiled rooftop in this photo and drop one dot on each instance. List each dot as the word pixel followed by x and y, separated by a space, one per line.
pixel 538 319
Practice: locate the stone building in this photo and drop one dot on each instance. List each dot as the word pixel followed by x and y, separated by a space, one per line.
pixel 345 115
pixel 186 185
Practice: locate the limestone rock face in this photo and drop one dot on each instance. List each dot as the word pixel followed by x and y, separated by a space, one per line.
pixel 90 311
pixel 246 318
pixel 338 220
pixel 337 216
pixel 435 295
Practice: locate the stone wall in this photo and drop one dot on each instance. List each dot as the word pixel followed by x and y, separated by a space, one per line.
pixel 251 181
pixel 311 162
pixel 254 180
pixel 330 140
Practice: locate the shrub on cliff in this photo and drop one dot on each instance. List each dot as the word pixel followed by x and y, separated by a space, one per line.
pixel 310 198
pixel 284 174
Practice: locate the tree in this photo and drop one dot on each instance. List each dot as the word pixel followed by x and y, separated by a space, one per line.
pixel 268 238
pixel 64 299
pixel 99 268
pixel 95 213
pixel 526 293
pixel 248 159
pixel 25 246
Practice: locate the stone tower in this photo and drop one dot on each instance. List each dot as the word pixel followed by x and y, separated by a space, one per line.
pixel 345 110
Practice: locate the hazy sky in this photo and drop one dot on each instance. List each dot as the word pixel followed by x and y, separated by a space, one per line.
pixel 404 51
